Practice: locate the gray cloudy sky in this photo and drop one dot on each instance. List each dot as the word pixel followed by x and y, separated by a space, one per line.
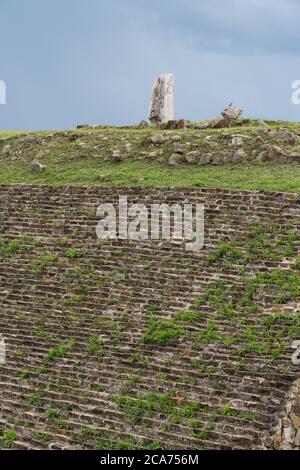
pixel 94 61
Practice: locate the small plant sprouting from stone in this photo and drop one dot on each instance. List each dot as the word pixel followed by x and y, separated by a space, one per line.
pixel 7 438
pixel 72 254
pixel 95 347
pixel 59 351
pixel 162 331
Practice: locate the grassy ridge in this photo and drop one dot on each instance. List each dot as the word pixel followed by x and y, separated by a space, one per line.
pixel 86 160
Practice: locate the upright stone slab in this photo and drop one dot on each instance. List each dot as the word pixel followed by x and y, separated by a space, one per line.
pixel 162 101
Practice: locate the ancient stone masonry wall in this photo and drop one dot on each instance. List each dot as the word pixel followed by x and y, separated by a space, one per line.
pixel 287 431
pixel 142 344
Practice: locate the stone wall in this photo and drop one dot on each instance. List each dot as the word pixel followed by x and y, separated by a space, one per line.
pixel 287 433
pixel 74 312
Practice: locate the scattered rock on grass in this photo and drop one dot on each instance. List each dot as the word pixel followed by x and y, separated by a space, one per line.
pixel 175 159
pixel 6 149
pixel 143 124
pixel 221 123
pixel 178 124
pixel 204 159
pixel 263 156
pixel 276 152
pixel 158 139
pixel 263 126
pixel 239 155
pixel 287 136
pixel 192 157
pixel 237 141
pixel 178 148
pixel 257 141
pixel 116 156
pixel 232 112
pixel 37 166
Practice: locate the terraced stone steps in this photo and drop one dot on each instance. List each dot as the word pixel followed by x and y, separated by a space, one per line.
pixel 74 326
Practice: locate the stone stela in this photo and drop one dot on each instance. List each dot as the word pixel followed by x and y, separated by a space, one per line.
pixel 161 108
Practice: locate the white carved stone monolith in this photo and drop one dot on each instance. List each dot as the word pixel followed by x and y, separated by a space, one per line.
pixel 162 100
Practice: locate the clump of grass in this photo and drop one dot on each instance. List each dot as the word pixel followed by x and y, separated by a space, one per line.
pixel 41 437
pixel 78 298
pixel 202 367
pixel 148 404
pixel 227 410
pixel 296 264
pixel 44 261
pixel 34 400
pixel 95 347
pixel 52 414
pixel 162 331
pixel 209 334
pixel 7 437
pixel 11 248
pixel 72 254
pixel 217 295
pixel 188 316
pixel 59 351
pixel 224 250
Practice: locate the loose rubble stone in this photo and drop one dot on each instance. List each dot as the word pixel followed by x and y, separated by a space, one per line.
pixel 239 155
pixel 204 159
pixel 37 166
pixel 295 156
pixel 192 157
pixel 116 156
pixel 74 136
pixel 179 148
pixel 232 112
pixel 257 141
pixel 175 159
pixel 218 159
pixel 153 154
pixel 288 137
pixel 264 155
pixel 175 138
pixel 143 154
pixel 202 126
pixel 221 123
pixel 143 124
pixel 276 152
pixel 178 124
pixel 158 139
pixel 237 141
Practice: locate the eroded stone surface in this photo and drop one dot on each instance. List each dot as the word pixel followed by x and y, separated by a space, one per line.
pixel 287 433
pixel 162 100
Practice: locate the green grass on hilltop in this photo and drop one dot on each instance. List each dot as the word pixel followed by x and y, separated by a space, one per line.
pixel 132 173
pixel 85 161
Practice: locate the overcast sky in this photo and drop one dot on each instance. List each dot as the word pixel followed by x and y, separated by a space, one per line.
pixel 72 61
